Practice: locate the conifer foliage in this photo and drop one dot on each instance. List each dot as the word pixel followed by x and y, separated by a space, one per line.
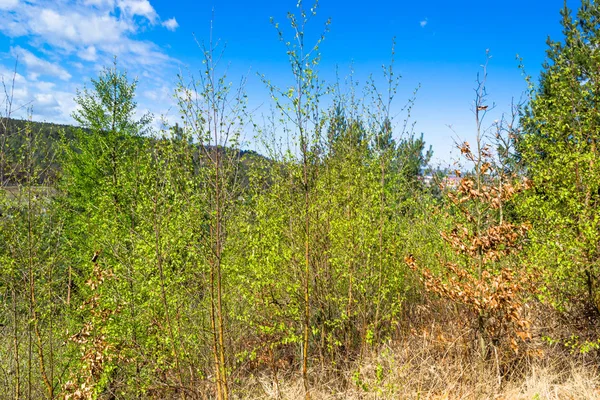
pixel 559 147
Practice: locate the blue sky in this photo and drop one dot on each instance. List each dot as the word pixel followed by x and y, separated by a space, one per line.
pixel 61 44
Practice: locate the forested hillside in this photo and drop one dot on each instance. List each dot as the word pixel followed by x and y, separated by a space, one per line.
pixel 138 263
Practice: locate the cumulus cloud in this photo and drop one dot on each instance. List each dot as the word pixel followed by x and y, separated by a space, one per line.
pixel 423 23
pixel 88 54
pixel 59 44
pixel 86 29
pixel 56 106
pixel 45 86
pixel 8 75
pixel 171 24
pixel 141 8
pixel 42 99
pixel 37 66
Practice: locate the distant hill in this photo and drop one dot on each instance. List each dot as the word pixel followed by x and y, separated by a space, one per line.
pixel 14 134
pixel 12 126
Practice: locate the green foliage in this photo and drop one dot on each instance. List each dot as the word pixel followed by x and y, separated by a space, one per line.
pixel 109 108
pixel 558 144
pixel 175 264
pixel 32 268
pixel 207 259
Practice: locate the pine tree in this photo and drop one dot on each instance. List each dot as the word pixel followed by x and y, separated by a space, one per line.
pixel 558 144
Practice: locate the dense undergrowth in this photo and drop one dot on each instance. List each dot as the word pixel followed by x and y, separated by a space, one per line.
pixel 171 264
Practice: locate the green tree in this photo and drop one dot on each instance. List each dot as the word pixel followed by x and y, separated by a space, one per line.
pixel 213 117
pixel 106 115
pixel 109 107
pixel 300 106
pixel 31 264
pixel 413 157
pixel 558 145
pixel 104 169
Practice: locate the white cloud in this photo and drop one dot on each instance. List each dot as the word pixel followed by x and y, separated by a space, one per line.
pixel 37 66
pixel 8 4
pixel 65 105
pixel 423 23
pixel 164 94
pixel 55 106
pixel 42 99
pixel 140 8
pixel 45 86
pixel 71 29
pixel 171 24
pixel 87 28
pixel 88 54
pixel 45 100
pixel 8 75
pixel 151 95
pixel 99 3
pixel 60 44
pixel 20 98
pixel 19 93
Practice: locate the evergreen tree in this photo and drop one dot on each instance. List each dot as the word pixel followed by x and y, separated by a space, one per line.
pixel 106 116
pixel 412 157
pixel 109 108
pixel 558 144
pixel 104 170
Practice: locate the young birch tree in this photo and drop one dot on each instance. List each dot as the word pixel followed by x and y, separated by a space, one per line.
pixel 213 116
pixel 300 106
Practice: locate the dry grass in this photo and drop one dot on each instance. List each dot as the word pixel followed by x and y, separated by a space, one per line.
pixel 435 360
pixel 404 372
pixel 568 382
